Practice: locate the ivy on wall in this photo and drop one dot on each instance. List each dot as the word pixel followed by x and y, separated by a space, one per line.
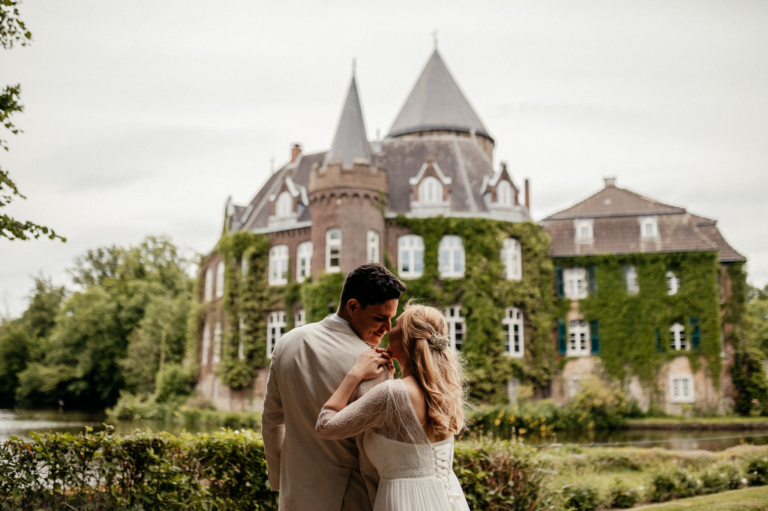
pixel 629 323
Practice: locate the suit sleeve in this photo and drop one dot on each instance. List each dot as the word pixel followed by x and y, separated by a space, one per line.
pixel 273 427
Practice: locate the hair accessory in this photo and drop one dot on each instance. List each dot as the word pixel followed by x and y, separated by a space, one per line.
pixel 438 342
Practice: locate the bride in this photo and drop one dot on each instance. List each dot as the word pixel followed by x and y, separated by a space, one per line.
pixel 409 424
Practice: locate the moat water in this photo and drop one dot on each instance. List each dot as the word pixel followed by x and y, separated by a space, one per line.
pixel 20 423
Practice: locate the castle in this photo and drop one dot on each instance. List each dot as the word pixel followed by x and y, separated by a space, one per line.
pixel 619 274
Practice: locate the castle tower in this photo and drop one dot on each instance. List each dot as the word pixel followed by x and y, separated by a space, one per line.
pixel 347 195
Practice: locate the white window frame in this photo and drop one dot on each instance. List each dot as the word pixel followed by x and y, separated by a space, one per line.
pixel 451 256
pixel 579 343
pixel 304 261
pixel 583 230
pixel 240 343
pixel 278 265
pixel 284 205
pixel 430 191
pixel 410 256
pixel 574 385
pixel 514 332
pixel 217 343
pixel 299 319
pixel 511 255
pixel 673 283
pixel 220 279
pixel 206 344
pixel 677 338
pixel 457 330
pixel 630 280
pixel 649 227
pixel 681 388
pixel 333 250
pixel 505 195
pixel 275 330
pixel 575 281
pixel 372 246
pixel 208 285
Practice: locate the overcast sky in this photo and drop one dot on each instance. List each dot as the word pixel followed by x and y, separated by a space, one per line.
pixel 143 116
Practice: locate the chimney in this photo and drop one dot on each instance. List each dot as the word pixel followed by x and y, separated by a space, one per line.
pixel 527 194
pixel 610 181
pixel 503 166
pixel 295 152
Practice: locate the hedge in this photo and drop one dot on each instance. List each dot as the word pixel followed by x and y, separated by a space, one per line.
pixel 224 470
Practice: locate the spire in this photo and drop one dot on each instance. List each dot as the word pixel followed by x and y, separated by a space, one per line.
pixel 350 140
pixel 437 103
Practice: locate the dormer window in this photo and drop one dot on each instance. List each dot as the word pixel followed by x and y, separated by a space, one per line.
pixel 430 191
pixel 584 231
pixel 505 196
pixel 284 205
pixel 288 202
pixel 649 227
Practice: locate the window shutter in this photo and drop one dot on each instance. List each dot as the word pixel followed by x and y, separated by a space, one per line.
pixel 560 284
pixel 592 280
pixel 594 336
pixel 659 346
pixel 561 336
pixel 695 333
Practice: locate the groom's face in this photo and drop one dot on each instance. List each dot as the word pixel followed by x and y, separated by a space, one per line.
pixel 372 322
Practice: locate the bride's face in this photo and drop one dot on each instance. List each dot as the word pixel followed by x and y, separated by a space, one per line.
pixel 395 346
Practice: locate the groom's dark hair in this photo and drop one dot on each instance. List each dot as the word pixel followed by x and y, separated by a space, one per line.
pixel 371 284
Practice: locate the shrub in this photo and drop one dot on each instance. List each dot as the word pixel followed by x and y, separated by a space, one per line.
pixel 663 486
pixel 622 496
pixel 173 381
pixel 581 497
pixel 721 477
pixel 757 471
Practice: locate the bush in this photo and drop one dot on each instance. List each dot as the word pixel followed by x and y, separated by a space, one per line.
pixel 622 496
pixel 173 381
pixel 581 497
pixel 721 477
pixel 757 471
pixel 663 486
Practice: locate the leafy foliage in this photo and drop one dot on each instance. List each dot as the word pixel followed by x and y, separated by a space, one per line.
pixel 581 497
pixel 622 496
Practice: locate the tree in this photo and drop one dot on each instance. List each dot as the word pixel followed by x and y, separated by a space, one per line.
pixel 14 31
pixel 757 317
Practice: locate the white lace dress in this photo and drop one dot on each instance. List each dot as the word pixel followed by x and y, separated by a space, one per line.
pixel 415 474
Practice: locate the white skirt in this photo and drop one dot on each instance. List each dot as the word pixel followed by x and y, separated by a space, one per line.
pixel 420 494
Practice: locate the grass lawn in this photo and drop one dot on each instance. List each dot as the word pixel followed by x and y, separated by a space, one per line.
pixel 750 499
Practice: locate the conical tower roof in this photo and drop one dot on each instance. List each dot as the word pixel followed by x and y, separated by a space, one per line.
pixel 350 140
pixel 437 103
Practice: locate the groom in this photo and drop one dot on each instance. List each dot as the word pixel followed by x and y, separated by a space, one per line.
pixel 308 365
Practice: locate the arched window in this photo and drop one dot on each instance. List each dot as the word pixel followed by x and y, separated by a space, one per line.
pixel 410 256
pixel 451 257
pixel 505 194
pixel 372 246
pixel 208 284
pixel 333 250
pixel 673 283
pixel 510 255
pixel 206 345
pixel 220 279
pixel 430 191
pixel 304 261
pixel 278 265
pixel 578 338
pixel 284 204
pixel 514 341
pixel 217 343
pixel 677 339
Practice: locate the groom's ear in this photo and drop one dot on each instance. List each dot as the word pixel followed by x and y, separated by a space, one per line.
pixel 353 305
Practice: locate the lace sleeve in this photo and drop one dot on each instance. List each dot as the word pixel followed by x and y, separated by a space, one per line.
pixel 368 412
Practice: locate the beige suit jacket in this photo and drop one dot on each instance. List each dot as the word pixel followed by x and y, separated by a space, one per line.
pixel 308 365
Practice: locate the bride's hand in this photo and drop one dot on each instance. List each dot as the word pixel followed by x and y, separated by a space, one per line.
pixel 370 364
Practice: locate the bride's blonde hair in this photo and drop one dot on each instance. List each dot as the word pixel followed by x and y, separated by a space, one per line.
pixel 435 366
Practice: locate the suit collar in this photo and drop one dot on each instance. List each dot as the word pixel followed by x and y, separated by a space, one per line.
pixel 338 326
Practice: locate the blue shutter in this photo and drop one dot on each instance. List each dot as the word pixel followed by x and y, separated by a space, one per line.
pixel 659 346
pixel 592 280
pixel 561 336
pixel 560 284
pixel 594 336
pixel 695 333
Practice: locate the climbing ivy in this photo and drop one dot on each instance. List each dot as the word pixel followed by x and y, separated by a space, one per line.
pixel 629 323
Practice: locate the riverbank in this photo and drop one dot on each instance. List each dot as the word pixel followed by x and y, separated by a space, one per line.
pixel 700 423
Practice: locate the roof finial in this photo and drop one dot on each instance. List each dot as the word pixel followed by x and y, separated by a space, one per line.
pixel 354 66
pixel 434 37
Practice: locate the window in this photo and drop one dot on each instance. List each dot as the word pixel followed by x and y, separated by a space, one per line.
pixel 217 343
pixel 455 326
pixel 284 205
pixel 240 342
pixel 722 342
pixel 575 283
pixel 206 345
pixel 208 284
pixel 244 266
pixel 220 279
pixel 304 261
pixel 299 319
pixel 649 227
pixel 630 278
pixel 673 283
pixel 430 191
pixel 510 255
pixel 275 330
pixel 578 338
pixel 513 388
pixel 278 265
pixel 574 385
pixel 333 250
pixel 504 194
pixel 451 257
pixel 584 232
pixel 513 332
pixel 372 246
pixel 677 340
pixel 681 388
pixel 410 256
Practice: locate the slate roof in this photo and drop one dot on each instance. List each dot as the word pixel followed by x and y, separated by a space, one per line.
pixel 615 201
pixel 350 140
pixel 437 103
